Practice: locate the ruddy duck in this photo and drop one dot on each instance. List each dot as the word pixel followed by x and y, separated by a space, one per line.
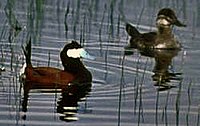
pixel 74 70
pixel 162 39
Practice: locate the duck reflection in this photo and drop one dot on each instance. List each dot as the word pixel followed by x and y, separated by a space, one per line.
pixel 67 105
pixel 163 59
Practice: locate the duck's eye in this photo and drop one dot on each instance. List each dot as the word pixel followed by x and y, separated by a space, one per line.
pixel 169 19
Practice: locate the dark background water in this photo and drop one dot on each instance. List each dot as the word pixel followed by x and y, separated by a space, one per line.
pixel 122 92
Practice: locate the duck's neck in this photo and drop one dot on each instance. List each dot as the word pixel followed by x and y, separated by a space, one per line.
pixel 82 75
pixel 165 31
pixel 73 66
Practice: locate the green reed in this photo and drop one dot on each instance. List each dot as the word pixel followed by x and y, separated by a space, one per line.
pixel 120 90
pixel 136 85
pixel 90 15
pixel 100 29
pixel 65 20
pixel 106 60
pixel 198 117
pixel 189 102
pixel 83 30
pixel 81 34
pixel 96 8
pixel 118 25
pixel 157 103
pixel 164 114
pixel 3 30
pixel 76 17
pixel 84 34
pixel 58 14
pixel 49 59
pixel 140 94
pixel 2 35
pixel 101 23
pixel 2 57
pixel 111 28
pixel 13 22
pixel 30 18
pixel 178 98
pixel 35 17
pixel 121 10
pixel 58 62
pixel 198 10
pixel 39 12
pixel 140 16
pixel 14 90
pixel 15 27
pixel 11 58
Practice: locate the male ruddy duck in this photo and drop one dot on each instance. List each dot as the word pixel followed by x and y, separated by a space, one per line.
pixel 162 39
pixel 48 77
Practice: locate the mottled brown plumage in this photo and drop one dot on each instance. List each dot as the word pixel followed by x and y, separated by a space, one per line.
pixel 163 38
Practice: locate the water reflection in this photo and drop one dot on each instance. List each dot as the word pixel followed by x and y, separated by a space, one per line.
pixel 67 105
pixel 163 60
pixel 99 25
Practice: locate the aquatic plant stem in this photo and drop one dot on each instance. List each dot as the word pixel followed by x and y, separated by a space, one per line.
pixel 120 91
pixel 65 20
pixel 100 29
pixel 136 85
pixel 189 102
pixel 140 16
pixel 198 117
pixel 178 103
pixel 164 116
pixel 49 59
pixel 140 98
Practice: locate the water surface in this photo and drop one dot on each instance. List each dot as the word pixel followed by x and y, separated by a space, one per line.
pixel 123 91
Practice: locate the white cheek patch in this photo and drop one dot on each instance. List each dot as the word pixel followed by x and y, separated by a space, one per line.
pixel 79 53
pixel 74 53
pixel 163 22
pixel 160 46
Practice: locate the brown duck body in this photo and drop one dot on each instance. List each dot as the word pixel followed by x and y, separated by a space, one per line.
pixel 163 38
pixel 48 76
pixel 74 71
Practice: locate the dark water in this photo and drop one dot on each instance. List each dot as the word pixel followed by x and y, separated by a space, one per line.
pixel 123 91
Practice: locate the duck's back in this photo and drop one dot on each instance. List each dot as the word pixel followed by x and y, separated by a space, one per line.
pixel 145 40
pixel 151 40
pixel 48 76
pixel 140 40
pixel 163 38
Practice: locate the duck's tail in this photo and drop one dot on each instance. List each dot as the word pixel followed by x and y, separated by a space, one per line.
pixel 27 52
pixel 132 31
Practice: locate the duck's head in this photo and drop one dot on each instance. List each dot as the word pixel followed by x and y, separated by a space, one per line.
pixel 71 55
pixel 76 51
pixel 166 17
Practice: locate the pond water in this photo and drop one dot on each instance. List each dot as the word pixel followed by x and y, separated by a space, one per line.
pixel 123 90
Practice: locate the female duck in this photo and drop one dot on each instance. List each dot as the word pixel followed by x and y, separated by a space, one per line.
pixel 162 39
pixel 74 70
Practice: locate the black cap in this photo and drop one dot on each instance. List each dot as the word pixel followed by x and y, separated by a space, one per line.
pixel 170 15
